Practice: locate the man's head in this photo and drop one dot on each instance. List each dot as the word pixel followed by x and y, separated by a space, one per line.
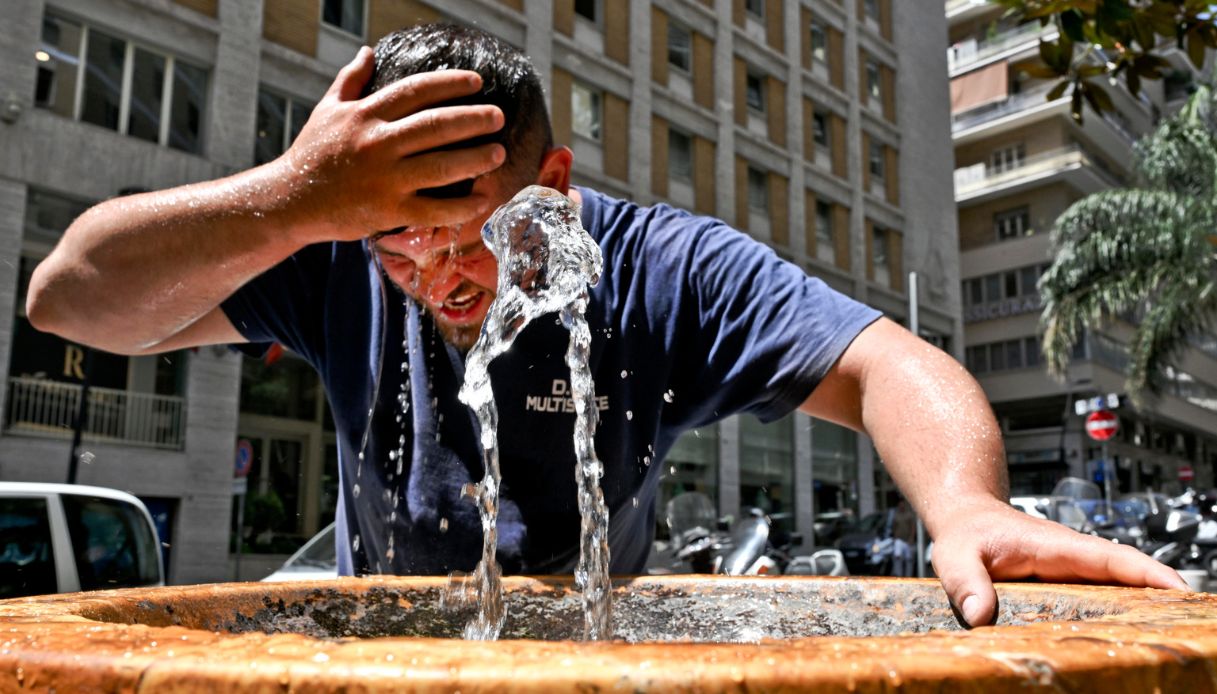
pixel 447 269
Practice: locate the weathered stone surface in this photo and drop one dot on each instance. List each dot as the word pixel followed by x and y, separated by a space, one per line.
pixel 675 634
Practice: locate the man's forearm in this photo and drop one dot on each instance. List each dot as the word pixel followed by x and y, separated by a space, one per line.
pixel 929 419
pixel 134 271
pixel 935 431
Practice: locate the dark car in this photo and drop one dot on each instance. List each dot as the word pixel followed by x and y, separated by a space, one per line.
pixel 863 545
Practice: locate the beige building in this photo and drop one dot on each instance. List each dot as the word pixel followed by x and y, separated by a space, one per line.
pixel 1020 161
pixel 814 125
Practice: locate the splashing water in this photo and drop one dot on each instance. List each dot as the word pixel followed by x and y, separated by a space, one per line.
pixel 546 262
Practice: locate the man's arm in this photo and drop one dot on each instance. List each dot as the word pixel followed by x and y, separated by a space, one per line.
pixel 147 273
pixel 936 433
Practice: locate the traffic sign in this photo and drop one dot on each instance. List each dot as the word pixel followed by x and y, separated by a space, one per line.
pixel 1186 473
pixel 1102 425
pixel 245 458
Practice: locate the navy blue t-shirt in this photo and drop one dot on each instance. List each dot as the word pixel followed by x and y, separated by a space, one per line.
pixel 692 321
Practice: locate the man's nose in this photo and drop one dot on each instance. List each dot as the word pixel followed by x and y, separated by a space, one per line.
pixel 446 279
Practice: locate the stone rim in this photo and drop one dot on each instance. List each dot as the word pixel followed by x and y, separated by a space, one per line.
pixel 1165 639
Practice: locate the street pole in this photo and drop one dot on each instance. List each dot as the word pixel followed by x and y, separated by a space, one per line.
pixel 915 328
pixel 82 417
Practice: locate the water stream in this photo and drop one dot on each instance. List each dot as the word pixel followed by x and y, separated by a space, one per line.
pixel 546 261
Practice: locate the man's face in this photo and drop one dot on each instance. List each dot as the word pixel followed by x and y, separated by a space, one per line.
pixel 448 269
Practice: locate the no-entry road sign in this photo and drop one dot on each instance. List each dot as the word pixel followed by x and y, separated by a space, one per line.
pixel 1102 425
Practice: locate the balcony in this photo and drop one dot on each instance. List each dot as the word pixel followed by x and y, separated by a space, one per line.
pixel 958 10
pixel 979 182
pixel 968 53
pixel 47 409
pixel 1015 103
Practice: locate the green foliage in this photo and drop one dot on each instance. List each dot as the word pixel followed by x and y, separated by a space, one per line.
pixel 1122 39
pixel 1145 252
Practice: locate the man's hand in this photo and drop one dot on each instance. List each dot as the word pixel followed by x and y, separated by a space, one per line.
pixel 358 164
pixel 991 541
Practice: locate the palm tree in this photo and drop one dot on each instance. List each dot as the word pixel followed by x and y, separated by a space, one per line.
pixel 1148 251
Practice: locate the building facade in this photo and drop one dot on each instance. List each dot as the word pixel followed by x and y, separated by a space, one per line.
pixel 814 125
pixel 1021 160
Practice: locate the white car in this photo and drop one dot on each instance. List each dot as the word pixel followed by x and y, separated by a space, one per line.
pixel 61 538
pixel 317 559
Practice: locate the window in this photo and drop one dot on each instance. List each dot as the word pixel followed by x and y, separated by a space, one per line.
pixel 587 9
pixel 819 44
pixel 280 119
pixel 127 88
pixel 680 42
pixel 27 563
pixel 877 164
pixel 977 359
pixel 756 8
pixel 680 156
pixel 997 357
pixel 826 249
pixel 871 9
pixel 113 545
pixel 585 111
pixel 819 129
pixel 874 82
pixel 1012 224
pixel 754 91
pixel 879 251
pixel 1031 349
pixel 1014 354
pixel 1006 159
pixel 344 14
pixel 973 292
pixel 758 191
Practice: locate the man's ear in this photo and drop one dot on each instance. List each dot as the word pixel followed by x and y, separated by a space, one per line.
pixel 555 169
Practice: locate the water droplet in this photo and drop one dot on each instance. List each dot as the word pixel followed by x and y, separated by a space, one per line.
pixel 355 544
pixel 355 491
pixel 635 502
pixel 667 397
pixel 629 414
pixel 443 525
pixel 624 373
pixel 646 460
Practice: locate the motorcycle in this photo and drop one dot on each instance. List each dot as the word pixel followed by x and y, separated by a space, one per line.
pixel 700 543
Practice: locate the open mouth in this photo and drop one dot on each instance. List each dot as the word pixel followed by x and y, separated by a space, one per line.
pixel 462 303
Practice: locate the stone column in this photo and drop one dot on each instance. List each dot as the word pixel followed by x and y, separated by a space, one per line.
pixel 724 111
pixel 728 467
pixel 12 218
pixel 866 476
pixel 232 113
pixel 804 478
pixel 18 41
pixel 212 392
pixel 854 155
pixel 539 41
pixel 794 128
pixel 640 100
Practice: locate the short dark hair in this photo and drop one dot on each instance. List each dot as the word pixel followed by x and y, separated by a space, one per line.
pixel 509 81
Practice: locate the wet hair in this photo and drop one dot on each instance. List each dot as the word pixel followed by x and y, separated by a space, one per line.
pixel 509 81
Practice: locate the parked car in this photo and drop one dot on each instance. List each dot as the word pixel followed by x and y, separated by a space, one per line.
pixel 316 559
pixel 61 538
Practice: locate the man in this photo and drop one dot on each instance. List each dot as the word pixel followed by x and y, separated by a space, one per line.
pixel 692 322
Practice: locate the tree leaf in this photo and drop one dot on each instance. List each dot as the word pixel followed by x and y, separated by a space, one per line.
pixel 1059 90
pixel 1195 49
pixel 1071 25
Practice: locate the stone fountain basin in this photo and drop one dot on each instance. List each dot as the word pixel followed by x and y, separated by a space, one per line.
pixel 676 633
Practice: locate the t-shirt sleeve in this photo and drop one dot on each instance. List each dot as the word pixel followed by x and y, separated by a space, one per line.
pixel 285 304
pixel 750 332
